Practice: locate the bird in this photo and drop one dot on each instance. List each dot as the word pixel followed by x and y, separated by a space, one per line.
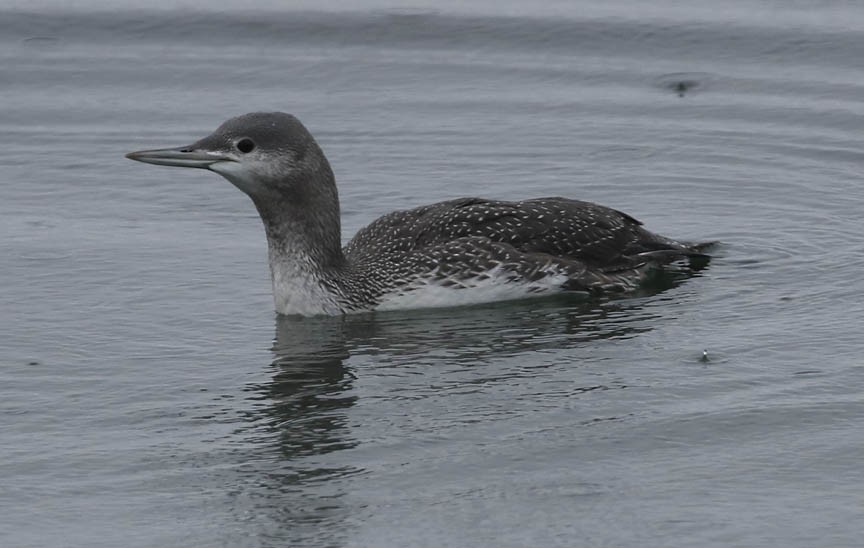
pixel 456 252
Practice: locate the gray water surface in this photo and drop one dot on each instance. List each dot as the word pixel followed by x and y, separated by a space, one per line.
pixel 150 397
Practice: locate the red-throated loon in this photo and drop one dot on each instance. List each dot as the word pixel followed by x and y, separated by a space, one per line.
pixel 462 251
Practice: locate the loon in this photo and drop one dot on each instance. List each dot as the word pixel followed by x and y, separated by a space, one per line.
pixel 461 251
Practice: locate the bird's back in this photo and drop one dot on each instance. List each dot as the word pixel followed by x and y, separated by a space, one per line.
pixel 600 237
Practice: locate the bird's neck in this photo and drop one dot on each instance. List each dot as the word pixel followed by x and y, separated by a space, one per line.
pixel 304 244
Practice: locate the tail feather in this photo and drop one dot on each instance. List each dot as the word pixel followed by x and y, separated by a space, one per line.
pixel 669 255
pixel 702 246
pixel 659 257
pixel 655 267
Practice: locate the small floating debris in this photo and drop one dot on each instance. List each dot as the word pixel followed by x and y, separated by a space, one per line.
pixel 682 83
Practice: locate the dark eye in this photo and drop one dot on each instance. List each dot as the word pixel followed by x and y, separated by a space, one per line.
pixel 245 145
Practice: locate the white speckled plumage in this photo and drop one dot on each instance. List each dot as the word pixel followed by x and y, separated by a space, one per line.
pixel 462 251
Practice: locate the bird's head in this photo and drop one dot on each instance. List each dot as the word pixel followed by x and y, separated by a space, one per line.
pixel 261 153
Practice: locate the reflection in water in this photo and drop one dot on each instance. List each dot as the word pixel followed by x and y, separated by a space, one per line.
pixel 304 416
pixel 307 405
pixel 310 387
pixel 479 333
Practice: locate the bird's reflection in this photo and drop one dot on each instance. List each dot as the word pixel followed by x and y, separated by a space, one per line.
pixel 308 403
pixel 311 390
pixel 310 386
pixel 297 419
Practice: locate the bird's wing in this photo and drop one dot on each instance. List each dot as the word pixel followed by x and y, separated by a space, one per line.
pixel 470 259
pixel 560 227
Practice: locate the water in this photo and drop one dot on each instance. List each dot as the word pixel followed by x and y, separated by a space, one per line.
pixel 150 397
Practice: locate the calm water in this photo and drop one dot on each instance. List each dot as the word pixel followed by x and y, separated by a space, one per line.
pixel 151 398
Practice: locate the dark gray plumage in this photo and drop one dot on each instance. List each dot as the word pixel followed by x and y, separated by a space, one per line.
pixel 458 251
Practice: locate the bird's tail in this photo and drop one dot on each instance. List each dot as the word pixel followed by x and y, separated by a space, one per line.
pixel 694 253
pixel 656 268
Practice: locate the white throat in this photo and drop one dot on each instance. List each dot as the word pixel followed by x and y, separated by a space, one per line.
pixel 297 285
pixel 238 175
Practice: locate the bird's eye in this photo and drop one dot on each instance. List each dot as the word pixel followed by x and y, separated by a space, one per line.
pixel 245 145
